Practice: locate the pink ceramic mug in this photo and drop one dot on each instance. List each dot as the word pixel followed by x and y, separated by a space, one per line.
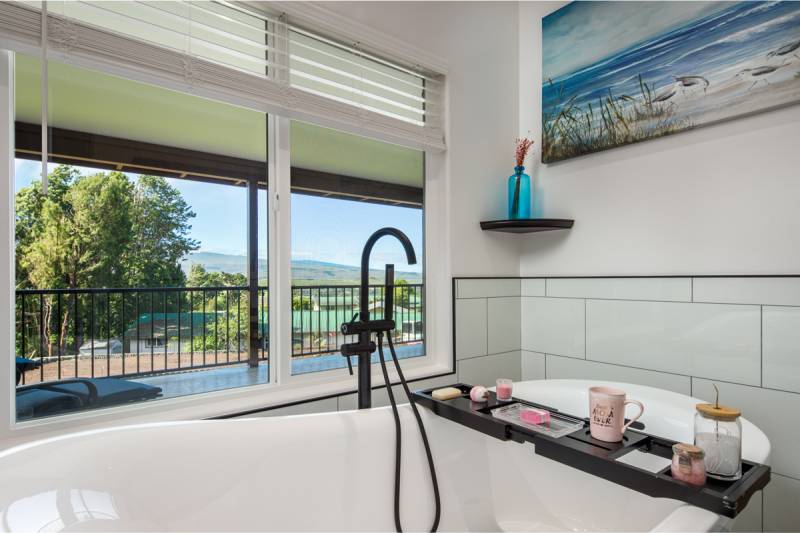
pixel 607 413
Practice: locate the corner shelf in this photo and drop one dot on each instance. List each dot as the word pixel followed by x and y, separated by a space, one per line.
pixel 527 225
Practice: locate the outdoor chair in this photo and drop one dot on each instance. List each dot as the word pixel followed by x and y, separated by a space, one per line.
pixel 43 399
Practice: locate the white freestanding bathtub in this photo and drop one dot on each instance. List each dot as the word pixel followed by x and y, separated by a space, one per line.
pixel 334 472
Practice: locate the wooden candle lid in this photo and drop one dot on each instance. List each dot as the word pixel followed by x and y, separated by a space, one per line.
pixel 718 412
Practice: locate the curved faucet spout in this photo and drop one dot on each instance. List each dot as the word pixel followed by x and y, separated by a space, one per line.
pixel 410 256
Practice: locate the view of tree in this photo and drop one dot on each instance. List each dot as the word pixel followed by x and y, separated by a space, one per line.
pixel 302 303
pixel 101 230
pixel 98 230
pixel 111 230
pixel 404 295
pixel 200 277
pixel 160 228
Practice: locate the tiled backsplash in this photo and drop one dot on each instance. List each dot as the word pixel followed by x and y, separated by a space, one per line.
pixel 487 326
pixel 676 333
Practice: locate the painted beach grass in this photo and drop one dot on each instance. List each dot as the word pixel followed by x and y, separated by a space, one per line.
pixel 617 73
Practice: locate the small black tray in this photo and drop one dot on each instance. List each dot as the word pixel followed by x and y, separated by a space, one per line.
pixel 579 450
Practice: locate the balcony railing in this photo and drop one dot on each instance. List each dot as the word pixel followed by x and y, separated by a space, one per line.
pixel 133 332
pixel 319 311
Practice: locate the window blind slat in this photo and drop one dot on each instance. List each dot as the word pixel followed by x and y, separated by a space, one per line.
pixel 226 51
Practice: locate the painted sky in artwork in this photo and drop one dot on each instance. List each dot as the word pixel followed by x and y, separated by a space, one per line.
pixel 615 73
pixel 584 32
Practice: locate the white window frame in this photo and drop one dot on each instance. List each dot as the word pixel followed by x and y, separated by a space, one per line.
pixel 283 387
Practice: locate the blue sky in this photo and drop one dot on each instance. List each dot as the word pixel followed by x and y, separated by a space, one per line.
pixel 323 229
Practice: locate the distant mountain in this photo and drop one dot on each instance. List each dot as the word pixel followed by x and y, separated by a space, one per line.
pixel 304 272
pixel 214 262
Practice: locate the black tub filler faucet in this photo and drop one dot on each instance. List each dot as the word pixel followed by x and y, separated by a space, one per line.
pixel 361 324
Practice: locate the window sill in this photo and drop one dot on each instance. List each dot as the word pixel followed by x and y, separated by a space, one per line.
pixel 218 404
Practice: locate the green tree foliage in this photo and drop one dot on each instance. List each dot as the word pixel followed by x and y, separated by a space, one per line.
pixel 200 277
pixel 404 295
pixel 160 228
pixel 226 312
pixel 29 221
pixel 101 230
pixel 302 303
pixel 98 230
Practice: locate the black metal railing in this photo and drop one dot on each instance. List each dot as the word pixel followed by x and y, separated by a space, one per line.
pixel 78 333
pixel 319 310
pixel 75 333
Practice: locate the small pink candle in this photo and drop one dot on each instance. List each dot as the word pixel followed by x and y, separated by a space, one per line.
pixel 688 464
pixel 503 389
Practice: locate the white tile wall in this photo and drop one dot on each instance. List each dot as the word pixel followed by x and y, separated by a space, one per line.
pixel 504 324
pixel 782 504
pixel 707 340
pixel 533 366
pixel 678 334
pixel 569 368
pixel 761 291
pixel 485 288
pixel 781 345
pixel 553 325
pixel 665 332
pixel 471 328
pixel 750 519
pixel 533 287
pixel 486 370
pixel 656 289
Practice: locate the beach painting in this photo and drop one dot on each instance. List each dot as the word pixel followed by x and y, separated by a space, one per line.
pixel 616 73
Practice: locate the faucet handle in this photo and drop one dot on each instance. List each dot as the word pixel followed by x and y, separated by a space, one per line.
pixel 347 327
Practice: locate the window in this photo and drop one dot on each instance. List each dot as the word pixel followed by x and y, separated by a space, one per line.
pixel 133 270
pixel 186 241
pixel 344 188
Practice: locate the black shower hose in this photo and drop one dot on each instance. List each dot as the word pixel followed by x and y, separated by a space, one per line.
pixel 398 435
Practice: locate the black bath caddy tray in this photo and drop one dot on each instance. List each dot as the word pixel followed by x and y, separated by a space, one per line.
pixel 579 450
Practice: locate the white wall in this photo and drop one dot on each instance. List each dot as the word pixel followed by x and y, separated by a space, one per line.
pixel 718 200
pixel 478 41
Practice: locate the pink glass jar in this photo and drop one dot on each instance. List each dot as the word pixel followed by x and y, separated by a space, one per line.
pixel 503 389
pixel 688 464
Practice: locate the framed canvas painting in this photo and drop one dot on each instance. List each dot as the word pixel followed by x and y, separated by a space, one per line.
pixel 616 73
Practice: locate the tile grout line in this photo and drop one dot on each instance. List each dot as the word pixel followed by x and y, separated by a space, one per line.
pixel 787 476
pixel 761 345
pixel 486 347
pixel 691 377
pixel 585 328
pixel 655 371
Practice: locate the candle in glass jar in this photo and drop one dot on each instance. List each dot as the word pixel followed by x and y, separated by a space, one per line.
pixel 718 431
pixel 503 389
pixel 688 465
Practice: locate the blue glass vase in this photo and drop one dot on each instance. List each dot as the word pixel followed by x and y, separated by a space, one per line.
pixel 519 194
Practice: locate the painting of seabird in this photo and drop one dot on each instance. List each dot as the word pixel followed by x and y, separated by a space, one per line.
pixel 617 73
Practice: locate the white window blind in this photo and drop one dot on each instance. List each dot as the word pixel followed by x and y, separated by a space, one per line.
pixel 230 52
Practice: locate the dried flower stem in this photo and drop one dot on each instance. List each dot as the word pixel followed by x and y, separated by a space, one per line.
pixel 523 145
